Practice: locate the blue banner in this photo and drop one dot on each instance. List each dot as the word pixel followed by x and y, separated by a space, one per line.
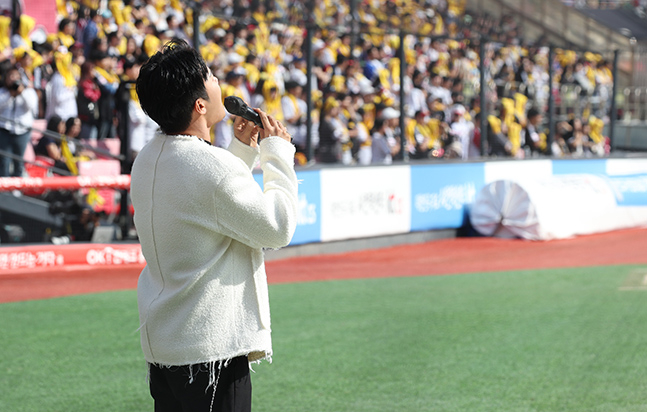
pixel 440 194
pixel 309 215
pixel 629 190
pixel 570 166
pixel 309 212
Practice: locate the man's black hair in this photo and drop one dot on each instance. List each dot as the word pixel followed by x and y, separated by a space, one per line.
pixel 169 84
pixel 63 23
pixel 532 112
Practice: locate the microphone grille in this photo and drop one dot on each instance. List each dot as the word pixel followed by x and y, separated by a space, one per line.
pixel 234 104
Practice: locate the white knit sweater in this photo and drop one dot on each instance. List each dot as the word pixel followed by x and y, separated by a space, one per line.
pixel 202 222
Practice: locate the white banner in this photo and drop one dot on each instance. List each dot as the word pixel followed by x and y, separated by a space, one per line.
pixel 517 169
pixel 365 202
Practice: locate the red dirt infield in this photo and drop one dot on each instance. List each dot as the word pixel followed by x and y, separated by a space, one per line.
pixel 439 257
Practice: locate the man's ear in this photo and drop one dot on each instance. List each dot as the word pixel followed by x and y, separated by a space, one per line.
pixel 200 106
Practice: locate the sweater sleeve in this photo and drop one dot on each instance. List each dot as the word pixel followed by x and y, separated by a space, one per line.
pixel 246 153
pixel 261 218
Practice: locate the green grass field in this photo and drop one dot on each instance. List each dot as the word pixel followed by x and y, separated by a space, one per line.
pixel 544 340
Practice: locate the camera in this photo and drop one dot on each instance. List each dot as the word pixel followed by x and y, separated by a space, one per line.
pixel 14 86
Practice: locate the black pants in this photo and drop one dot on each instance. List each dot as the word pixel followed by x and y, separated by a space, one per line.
pixel 172 391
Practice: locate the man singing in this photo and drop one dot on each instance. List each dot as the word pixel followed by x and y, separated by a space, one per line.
pixel 203 222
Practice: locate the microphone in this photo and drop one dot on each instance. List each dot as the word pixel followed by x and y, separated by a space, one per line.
pixel 236 106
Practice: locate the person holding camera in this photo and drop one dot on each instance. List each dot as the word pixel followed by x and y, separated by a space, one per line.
pixel 18 107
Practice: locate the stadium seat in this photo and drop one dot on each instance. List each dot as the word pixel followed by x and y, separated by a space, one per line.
pixel 37 130
pixel 37 169
pixel 102 167
pixel 112 145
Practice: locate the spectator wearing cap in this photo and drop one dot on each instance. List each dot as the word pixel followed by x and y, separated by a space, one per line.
pixel 235 61
pixel 385 142
pixel 461 130
pixel 332 134
pixel 298 71
pixel 235 85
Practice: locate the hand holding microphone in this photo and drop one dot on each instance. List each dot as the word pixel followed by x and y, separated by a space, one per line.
pixel 237 106
pixel 248 132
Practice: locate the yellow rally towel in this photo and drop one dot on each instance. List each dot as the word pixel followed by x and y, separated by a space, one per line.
pixel 151 44
pixel 596 129
pixel 495 123
pixel 64 67
pixel 65 39
pixel 272 105
pixel 514 134
pixel 27 24
pixel 520 102
pixel 5 37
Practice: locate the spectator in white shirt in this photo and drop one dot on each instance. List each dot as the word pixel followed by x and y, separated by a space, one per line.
pixel 18 107
pixel 61 90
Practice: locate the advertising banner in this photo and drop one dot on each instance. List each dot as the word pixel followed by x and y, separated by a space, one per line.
pixel 309 214
pixel 629 190
pixel 47 257
pixel 440 194
pixel 517 169
pixel 575 166
pixel 365 202
pixel 616 167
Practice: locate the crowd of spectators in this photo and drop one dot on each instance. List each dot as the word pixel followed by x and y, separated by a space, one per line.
pixel 83 75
